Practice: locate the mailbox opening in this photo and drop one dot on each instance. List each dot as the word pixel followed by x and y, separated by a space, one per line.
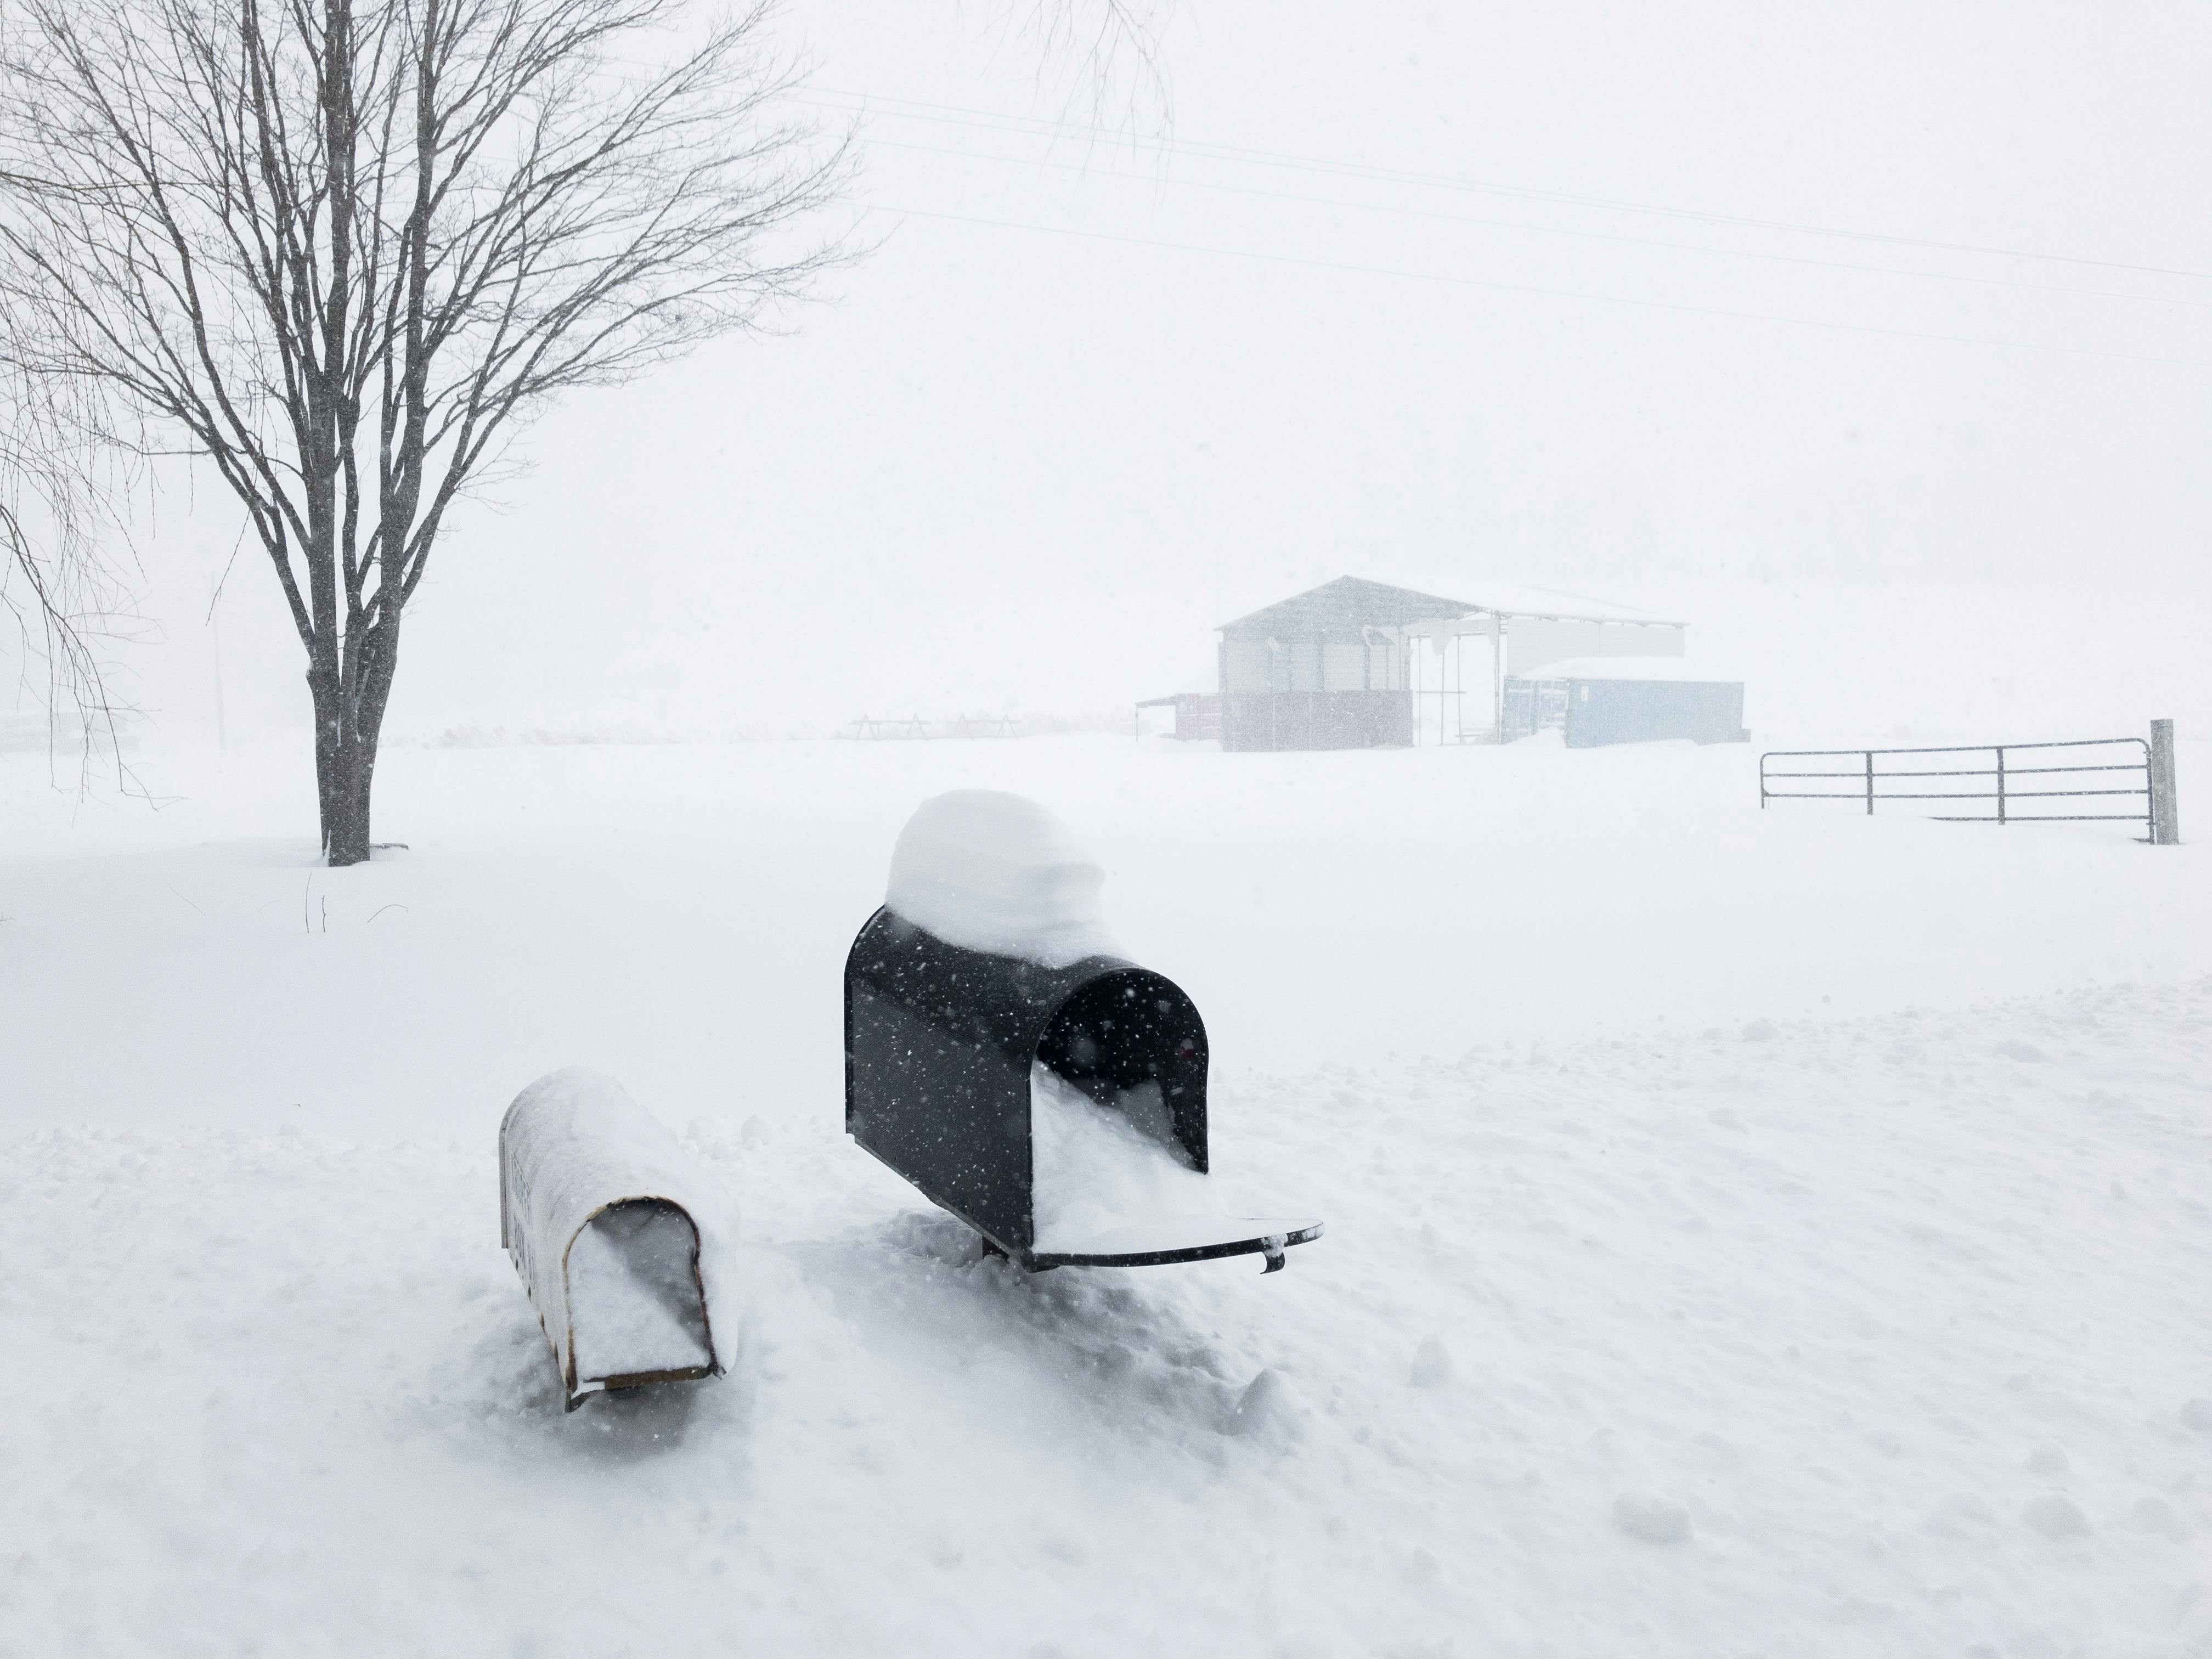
pixel 1133 1043
pixel 637 1309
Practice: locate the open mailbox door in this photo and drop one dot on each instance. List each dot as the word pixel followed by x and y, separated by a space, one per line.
pixel 1052 1099
pixel 599 1208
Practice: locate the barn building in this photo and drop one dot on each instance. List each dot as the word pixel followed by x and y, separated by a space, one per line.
pixel 1356 664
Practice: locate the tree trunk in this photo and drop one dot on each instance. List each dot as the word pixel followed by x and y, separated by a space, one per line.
pixel 346 739
pixel 345 783
pixel 344 771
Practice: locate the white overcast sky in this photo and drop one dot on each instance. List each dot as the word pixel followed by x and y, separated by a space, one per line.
pixel 1093 396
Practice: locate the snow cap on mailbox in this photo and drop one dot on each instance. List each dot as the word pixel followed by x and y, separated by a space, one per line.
pixel 995 872
pixel 608 1219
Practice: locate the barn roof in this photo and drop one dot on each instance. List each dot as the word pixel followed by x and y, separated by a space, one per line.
pixel 1351 603
pixel 1346 605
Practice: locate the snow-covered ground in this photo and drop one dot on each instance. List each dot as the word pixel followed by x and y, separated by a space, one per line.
pixel 1747 1233
pixel 679 917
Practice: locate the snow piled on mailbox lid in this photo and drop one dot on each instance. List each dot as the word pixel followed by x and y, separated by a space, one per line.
pixel 612 1225
pixel 988 871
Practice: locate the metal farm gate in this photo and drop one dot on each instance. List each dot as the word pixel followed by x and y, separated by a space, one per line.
pixel 2092 780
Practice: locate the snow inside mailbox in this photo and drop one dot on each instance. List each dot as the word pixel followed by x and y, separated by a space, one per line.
pixel 599 1208
pixel 1003 1057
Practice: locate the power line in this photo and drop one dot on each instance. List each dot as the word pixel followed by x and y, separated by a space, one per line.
pixel 920 110
pixel 1542 230
pixel 1528 288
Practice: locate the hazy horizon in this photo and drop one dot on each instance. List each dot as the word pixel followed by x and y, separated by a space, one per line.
pixel 1095 393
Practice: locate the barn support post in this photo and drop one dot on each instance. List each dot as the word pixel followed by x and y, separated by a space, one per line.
pixel 1413 680
pixel 1442 640
pixel 1221 680
pixel 1277 669
pixel 2164 813
pixel 1456 646
pixel 1497 679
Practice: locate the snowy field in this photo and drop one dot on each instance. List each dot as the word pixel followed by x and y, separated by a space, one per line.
pixel 1747 1233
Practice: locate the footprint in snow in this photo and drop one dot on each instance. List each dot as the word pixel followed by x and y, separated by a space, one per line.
pixel 1433 1365
pixel 1267 1412
pixel 2156 1515
pixel 2055 1517
pixel 1652 1519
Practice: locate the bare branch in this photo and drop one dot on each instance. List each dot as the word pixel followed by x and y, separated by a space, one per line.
pixel 61 596
pixel 1099 59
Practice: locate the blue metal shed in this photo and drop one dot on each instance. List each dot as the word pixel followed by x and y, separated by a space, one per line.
pixel 1592 710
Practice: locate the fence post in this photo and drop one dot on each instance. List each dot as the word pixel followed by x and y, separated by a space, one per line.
pixel 2165 815
pixel 1869 757
pixel 2001 809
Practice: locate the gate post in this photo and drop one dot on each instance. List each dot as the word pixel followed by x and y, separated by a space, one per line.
pixel 2164 816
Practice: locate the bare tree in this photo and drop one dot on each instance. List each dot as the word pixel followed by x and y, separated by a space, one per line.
pixel 57 588
pixel 342 248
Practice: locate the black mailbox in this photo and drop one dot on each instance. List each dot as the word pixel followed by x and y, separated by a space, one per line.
pixel 940 1043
